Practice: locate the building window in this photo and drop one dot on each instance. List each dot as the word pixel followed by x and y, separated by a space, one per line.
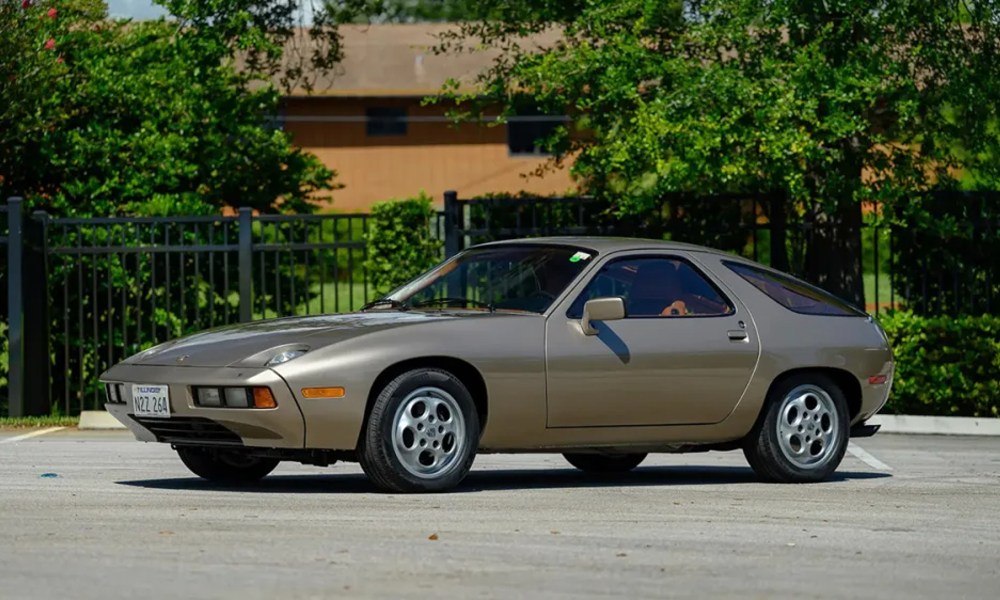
pixel 526 132
pixel 385 121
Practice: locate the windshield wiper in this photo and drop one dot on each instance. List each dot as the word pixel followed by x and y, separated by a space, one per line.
pixel 389 302
pixel 454 300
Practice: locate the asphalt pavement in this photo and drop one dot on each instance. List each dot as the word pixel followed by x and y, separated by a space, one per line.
pixel 98 515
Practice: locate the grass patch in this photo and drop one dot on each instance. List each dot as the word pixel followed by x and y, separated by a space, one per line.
pixel 885 295
pixel 31 422
pixel 337 297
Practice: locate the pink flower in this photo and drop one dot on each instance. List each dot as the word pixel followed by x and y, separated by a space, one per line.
pixel 60 60
pixel 52 13
pixel 51 44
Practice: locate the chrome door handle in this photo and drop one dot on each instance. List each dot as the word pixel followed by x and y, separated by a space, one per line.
pixel 738 335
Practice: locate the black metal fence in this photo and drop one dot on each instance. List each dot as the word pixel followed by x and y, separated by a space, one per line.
pixel 80 294
pixel 93 291
pixel 945 265
pixel 756 226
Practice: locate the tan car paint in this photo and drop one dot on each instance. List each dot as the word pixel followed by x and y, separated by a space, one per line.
pixel 509 351
pixel 670 371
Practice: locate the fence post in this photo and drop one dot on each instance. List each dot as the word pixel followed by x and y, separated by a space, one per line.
pixel 246 264
pixel 452 214
pixel 778 225
pixel 35 354
pixel 15 321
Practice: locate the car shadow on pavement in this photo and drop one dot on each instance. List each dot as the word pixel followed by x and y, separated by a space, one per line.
pixel 495 479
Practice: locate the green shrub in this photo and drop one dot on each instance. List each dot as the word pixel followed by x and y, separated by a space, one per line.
pixel 400 243
pixel 945 365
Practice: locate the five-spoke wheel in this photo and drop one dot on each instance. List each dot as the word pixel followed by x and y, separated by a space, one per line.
pixel 803 433
pixel 428 432
pixel 422 433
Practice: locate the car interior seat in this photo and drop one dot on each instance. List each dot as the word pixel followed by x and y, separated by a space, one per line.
pixel 656 290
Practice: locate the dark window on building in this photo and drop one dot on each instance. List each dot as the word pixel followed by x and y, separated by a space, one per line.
pixel 526 132
pixel 384 121
pixel 797 296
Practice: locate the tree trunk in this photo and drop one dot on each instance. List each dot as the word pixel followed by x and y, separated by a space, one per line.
pixel 833 257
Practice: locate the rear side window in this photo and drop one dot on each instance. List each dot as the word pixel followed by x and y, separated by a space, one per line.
pixel 797 296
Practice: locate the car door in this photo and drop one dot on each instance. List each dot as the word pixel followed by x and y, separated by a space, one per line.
pixel 684 354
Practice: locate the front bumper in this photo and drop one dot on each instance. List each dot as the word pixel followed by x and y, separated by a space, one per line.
pixel 281 427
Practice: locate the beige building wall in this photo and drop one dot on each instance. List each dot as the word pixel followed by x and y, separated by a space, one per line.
pixel 433 156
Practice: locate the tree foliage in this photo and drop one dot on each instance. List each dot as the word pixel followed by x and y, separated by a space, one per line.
pixel 830 103
pixel 175 116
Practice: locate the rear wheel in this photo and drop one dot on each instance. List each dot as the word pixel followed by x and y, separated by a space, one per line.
pixel 226 466
pixel 604 463
pixel 422 433
pixel 803 433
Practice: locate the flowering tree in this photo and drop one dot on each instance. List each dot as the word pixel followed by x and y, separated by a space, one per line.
pixel 99 116
pixel 30 68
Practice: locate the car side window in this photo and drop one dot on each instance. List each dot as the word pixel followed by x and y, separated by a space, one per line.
pixel 796 296
pixel 655 287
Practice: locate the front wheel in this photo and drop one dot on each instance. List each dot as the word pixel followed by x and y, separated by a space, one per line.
pixel 422 433
pixel 228 467
pixel 803 433
pixel 604 463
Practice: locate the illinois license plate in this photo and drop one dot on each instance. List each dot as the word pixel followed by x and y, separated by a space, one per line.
pixel 151 400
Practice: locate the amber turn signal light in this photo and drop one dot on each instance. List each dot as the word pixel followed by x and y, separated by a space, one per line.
pixel 263 398
pixel 323 392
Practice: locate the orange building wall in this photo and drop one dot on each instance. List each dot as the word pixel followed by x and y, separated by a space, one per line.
pixel 433 156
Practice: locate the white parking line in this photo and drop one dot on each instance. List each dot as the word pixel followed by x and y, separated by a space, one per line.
pixel 861 454
pixel 18 438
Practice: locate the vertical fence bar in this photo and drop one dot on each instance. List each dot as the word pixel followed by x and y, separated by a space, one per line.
pixel 778 224
pixel 36 349
pixel 15 323
pixel 451 215
pixel 246 264
pixel 875 266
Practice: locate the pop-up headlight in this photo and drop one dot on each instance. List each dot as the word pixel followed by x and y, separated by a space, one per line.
pixel 285 356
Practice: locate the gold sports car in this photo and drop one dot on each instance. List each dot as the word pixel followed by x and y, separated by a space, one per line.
pixel 601 349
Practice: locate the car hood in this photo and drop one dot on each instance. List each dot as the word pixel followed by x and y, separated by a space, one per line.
pixel 242 344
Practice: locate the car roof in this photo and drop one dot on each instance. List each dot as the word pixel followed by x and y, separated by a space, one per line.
pixel 603 244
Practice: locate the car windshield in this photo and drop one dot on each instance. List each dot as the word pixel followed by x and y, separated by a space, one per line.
pixel 515 277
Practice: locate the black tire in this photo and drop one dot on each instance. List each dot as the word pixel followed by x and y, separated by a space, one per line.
pixel 605 463
pixel 380 452
pixel 771 459
pixel 229 467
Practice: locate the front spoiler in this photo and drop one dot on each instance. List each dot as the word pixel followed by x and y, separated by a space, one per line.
pixel 281 427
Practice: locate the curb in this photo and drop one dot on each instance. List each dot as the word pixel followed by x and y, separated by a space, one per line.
pixel 936 425
pixel 98 419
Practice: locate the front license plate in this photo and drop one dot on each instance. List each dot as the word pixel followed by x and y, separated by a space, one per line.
pixel 151 400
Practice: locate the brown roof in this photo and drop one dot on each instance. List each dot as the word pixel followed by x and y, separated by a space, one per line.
pixel 398 60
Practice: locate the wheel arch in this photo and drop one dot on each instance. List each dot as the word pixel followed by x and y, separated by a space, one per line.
pixel 468 374
pixel 843 379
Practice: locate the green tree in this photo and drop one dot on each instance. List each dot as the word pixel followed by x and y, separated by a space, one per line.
pixel 171 116
pixel 832 102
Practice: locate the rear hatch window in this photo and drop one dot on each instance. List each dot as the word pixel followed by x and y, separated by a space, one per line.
pixel 795 295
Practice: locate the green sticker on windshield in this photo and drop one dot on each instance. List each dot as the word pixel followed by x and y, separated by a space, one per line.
pixel 579 256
